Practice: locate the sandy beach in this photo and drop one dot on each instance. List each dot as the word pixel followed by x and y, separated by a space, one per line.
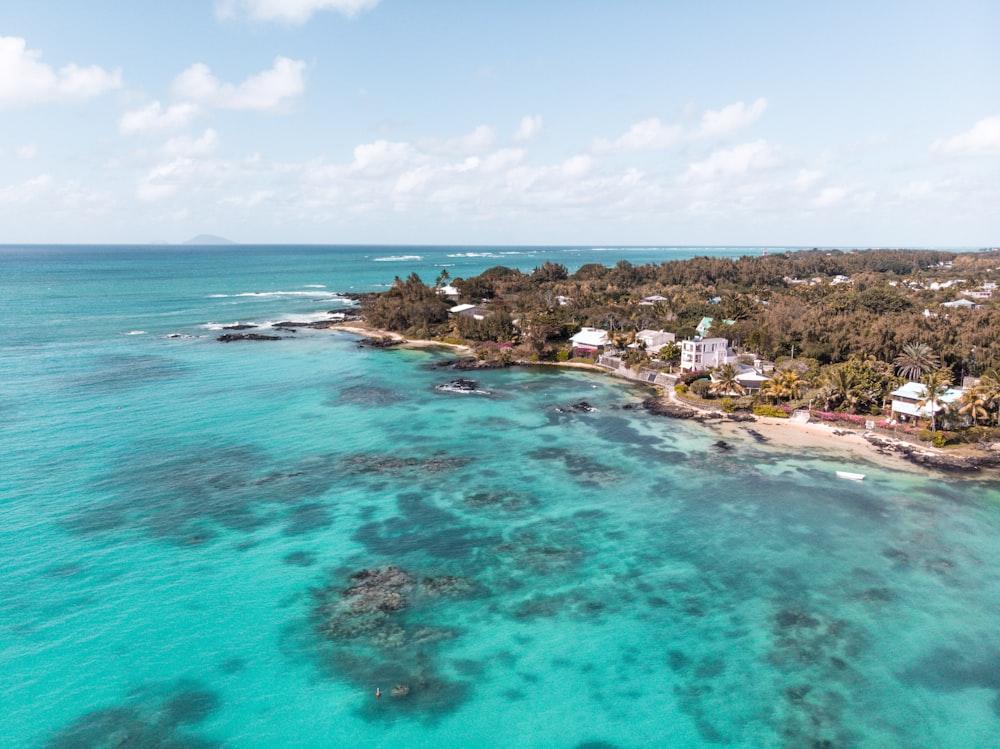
pixel 832 441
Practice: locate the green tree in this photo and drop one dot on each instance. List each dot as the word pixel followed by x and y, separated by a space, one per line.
pixel 915 359
pixel 840 388
pixel 724 380
pixel 936 383
pixel 976 404
pixel 785 384
pixel 669 352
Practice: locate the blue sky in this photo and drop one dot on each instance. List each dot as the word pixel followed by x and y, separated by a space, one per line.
pixel 382 121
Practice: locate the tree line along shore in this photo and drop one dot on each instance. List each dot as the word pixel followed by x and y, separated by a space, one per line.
pixel 838 331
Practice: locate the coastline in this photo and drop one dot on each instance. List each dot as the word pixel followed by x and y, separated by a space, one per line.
pixel 814 437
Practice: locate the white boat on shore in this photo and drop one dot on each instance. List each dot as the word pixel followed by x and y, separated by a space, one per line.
pixel 850 476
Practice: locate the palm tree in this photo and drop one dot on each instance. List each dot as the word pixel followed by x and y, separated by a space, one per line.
pixel 915 359
pixel 990 385
pixel 975 403
pixel 936 382
pixel 784 385
pixel 840 387
pixel 724 380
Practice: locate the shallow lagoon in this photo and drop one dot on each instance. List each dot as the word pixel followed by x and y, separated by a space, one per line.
pixel 181 521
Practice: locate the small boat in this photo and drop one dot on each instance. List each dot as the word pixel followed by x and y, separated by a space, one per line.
pixel 850 476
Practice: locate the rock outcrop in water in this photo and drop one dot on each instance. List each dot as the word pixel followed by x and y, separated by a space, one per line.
pixel 230 337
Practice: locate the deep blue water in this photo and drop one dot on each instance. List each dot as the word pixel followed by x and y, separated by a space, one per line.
pixel 182 524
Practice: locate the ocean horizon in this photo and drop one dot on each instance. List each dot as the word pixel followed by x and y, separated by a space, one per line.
pixel 212 544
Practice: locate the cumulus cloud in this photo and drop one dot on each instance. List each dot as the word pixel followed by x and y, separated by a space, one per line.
pixel 289 11
pixel 648 135
pixel 728 119
pixel 982 140
pixel 479 140
pixel 27 151
pixel 529 128
pixel 153 118
pixel 653 134
pixel 25 80
pixel 382 156
pixel 268 90
pixel 732 161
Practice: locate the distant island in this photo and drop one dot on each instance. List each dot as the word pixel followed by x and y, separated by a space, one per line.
pixel 208 239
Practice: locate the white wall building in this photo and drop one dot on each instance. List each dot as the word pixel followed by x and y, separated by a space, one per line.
pixel 590 340
pixel 653 340
pixel 705 353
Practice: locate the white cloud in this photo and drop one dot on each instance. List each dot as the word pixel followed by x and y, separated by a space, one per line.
pixel 577 166
pixel 27 151
pixel 732 161
pixel 648 135
pixel 268 90
pixel 26 191
pixel 153 118
pixel 184 145
pixel 289 11
pixel 653 134
pixel 734 117
pixel 505 158
pixel 529 128
pixel 982 140
pixel 382 156
pixel 806 178
pixel 163 180
pixel 25 80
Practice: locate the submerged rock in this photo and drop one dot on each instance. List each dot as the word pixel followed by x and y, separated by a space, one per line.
pixel 230 337
pixel 462 385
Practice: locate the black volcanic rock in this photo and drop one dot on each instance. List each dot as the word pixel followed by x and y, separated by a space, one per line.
pixel 230 337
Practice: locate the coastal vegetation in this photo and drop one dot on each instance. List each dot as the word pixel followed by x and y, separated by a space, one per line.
pixel 843 328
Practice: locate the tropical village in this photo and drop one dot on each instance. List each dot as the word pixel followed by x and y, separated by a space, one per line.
pixel 901 345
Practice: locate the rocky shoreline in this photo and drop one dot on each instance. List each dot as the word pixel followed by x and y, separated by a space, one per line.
pixel 973 460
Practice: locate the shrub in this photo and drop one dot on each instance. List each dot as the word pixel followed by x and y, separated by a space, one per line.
pixel 765 409
pixel 681 388
pixel 728 405
pixel 688 377
pixel 701 388
pixel 939 440
pixel 925 435
pixel 562 355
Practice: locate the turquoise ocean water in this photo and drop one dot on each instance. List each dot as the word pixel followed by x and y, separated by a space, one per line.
pixel 182 524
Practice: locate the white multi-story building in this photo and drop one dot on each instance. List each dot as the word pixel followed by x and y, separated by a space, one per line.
pixel 705 353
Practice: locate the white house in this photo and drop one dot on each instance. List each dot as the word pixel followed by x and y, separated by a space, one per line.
pixel 751 379
pixel 590 340
pixel 473 310
pixel 964 303
pixel 652 340
pixel 906 401
pixel 648 301
pixel 449 292
pixel 705 353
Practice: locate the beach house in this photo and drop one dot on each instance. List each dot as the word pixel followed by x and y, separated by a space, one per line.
pixel 705 353
pixel 589 341
pixel 652 340
pixel 472 310
pixel 908 401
